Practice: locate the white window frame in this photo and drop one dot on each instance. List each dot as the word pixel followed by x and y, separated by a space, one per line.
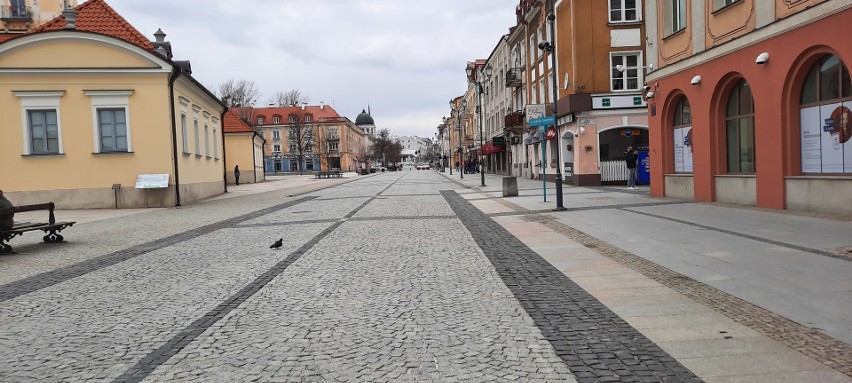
pixel 195 129
pixel 672 24
pixel 40 101
pixel 640 75
pixel 109 99
pixel 276 119
pixel 534 94
pixel 719 4
pixel 260 120
pixel 276 134
pixel 207 134
pixel 276 148
pixel 623 10
pixel 184 129
pixel 215 138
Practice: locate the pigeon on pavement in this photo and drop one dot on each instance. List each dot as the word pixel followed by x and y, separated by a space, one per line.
pixel 277 244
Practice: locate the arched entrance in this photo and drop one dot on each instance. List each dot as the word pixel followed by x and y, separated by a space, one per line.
pixel 567 156
pixel 612 144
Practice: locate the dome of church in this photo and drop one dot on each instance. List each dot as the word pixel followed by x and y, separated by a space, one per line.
pixel 364 119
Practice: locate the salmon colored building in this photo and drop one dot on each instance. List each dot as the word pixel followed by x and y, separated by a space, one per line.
pixel 88 105
pixel 752 102
pixel 328 140
pixel 244 146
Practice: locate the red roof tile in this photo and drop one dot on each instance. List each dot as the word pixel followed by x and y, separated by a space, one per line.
pixel 98 17
pixel 317 114
pixel 7 36
pixel 233 124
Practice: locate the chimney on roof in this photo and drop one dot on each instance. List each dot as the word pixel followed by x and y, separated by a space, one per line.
pixel 271 104
pixel 303 105
pixel 322 105
pixel 160 43
pixel 160 36
pixel 70 17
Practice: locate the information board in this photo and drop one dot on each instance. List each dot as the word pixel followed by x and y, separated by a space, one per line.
pixel 152 181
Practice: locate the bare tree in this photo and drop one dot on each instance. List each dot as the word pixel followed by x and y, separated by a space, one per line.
pixel 300 138
pixel 362 156
pixel 382 146
pixel 242 93
pixel 289 98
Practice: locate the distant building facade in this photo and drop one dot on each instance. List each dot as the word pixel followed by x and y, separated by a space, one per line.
pixel 326 139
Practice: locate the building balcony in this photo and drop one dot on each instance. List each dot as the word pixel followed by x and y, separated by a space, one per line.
pixel 513 78
pixel 514 120
pixel 16 13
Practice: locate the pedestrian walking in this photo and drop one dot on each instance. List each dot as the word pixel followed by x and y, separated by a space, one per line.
pixel 237 174
pixel 631 157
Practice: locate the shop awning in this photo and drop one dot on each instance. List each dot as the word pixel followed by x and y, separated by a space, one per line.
pixel 489 148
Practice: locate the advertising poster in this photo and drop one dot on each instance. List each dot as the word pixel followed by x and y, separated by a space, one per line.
pixel 844 121
pixel 811 144
pixel 826 138
pixel 830 139
pixel 683 149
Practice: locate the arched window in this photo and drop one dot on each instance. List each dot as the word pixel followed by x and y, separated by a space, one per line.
pixel 739 127
pixel 292 119
pixel 307 118
pixel 826 118
pixel 682 137
pixel 260 120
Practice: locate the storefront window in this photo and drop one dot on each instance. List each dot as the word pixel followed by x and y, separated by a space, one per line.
pixel 739 128
pixel 826 118
pixel 683 137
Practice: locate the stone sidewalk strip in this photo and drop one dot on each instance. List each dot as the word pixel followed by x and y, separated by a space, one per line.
pixel 597 345
pixel 751 237
pixel 43 280
pixel 820 347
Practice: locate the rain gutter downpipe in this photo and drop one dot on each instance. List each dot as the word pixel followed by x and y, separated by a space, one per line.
pixel 172 78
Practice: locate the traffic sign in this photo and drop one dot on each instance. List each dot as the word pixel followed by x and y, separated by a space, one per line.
pixel 543 121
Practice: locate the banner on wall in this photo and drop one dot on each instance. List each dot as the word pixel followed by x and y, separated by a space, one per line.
pixel 826 138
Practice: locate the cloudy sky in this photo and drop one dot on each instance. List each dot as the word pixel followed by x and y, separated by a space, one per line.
pixel 404 58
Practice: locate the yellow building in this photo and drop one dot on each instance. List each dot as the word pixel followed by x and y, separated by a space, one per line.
pixel 91 104
pixel 244 148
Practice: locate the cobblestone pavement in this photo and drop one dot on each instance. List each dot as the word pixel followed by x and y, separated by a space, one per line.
pixel 377 280
pixel 390 277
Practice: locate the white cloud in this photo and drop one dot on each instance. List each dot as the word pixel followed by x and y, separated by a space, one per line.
pixel 404 58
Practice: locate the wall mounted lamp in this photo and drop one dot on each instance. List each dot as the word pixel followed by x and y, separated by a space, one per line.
pixel 622 68
pixel 762 58
pixel 696 80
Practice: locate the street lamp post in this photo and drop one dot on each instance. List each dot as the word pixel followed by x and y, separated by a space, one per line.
pixel 442 141
pixel 551 47
pixel 487 71
pixel 459 112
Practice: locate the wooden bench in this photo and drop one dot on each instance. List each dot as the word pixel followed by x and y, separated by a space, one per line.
pixel 51 226
pixel 328 174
